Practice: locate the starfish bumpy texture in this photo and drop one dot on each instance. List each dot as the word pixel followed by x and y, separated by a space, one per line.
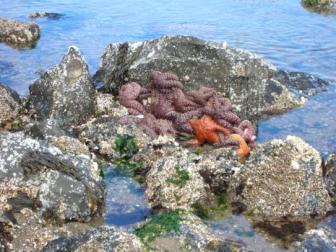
pixel 166 109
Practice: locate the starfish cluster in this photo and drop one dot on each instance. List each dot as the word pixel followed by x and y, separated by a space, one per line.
pixel 165 109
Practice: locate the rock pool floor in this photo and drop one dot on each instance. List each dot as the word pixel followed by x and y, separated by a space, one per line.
pixel 125 201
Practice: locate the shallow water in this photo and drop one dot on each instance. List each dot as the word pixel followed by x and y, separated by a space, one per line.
pixel 314 122
pixel 125 200
pixel 238 228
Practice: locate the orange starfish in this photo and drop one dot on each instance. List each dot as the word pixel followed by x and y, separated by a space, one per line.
pixel 206 130
pixel 243 150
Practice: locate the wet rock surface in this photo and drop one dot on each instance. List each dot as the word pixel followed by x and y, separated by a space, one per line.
pixel 65 92
pixel 10 104
pixel 320 6
pixel 194 235
pixel 39 176
pixel 18 34
pixel 100 239
pixel 282 178
pixel 248 80
pixel 323 238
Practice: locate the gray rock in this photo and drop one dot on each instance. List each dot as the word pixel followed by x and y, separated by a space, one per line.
pixel 330 176
pixel 248 80
pixel 18 34
pixel 282 178
pixel 51 131
pixel 45 129
pixel 65 92
pixel 320 6
pixel 10 104
pixel 99 239
pixel 322 239
pixel 62 186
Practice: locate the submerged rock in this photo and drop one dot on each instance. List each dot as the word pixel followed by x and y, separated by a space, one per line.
pixel 10 104
pixel 18 34
pixel 61 186
pixel 194 235
pixel 99 239
pixel 65 92
pixel 282 178
pixel 49 15
pixel 320 6
pixel 247 79
pixel 323 238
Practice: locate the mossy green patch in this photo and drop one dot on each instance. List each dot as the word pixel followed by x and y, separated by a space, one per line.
pixel 215 210
pixel 252 211
pixel 128 166
pixel 159 225
pixel 126 146
pixel 101 171
pixel 312 3
pixel 180 177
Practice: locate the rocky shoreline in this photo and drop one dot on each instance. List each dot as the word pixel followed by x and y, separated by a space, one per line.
pixel 54 142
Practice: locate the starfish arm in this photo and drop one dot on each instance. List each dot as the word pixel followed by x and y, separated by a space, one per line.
pixel 194 142
pixel 243 150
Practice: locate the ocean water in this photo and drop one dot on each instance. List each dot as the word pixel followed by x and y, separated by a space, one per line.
pixel 281 30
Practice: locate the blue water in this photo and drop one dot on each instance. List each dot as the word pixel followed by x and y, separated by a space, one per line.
pixel 125 200
pixel 238 228
pixel 315 123
pixel 281 30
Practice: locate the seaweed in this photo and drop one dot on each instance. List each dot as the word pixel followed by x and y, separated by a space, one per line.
pixel 217 209
pixel 159 225
pixel 126 146
pixel 180 177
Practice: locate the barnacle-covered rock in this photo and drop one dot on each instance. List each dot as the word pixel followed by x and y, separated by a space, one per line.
pixel 282 178
pixel 330 176
pixel 99 134
pixel 100 239
pixel 18 34
pixel 107 105
pixel 65 92
pixel 173 182
pixel 320 6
